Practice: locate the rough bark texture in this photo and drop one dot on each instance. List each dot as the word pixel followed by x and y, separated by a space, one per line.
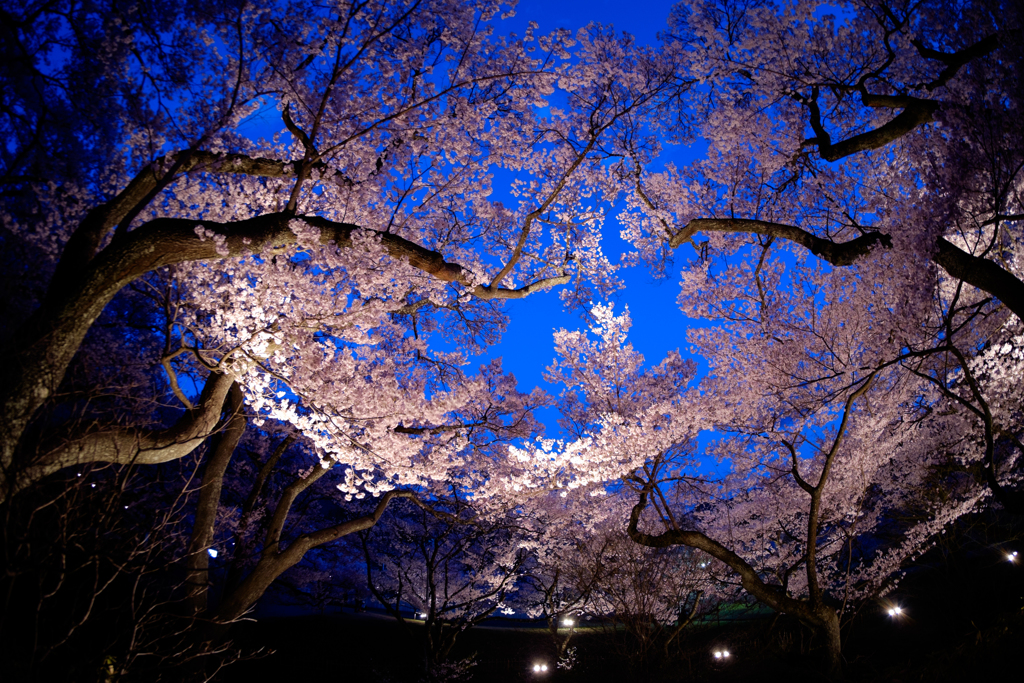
pixel 838 254
pixel 915 112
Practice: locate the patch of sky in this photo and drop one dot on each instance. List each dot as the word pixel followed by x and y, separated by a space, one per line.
pixel 643 23
pixel 265 122
pixel 527 346
pixel 840 13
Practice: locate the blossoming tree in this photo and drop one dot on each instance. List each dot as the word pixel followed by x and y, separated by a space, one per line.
pixel 308 267
pixel 808 475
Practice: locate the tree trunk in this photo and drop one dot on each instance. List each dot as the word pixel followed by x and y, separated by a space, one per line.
pixel 223 446
pixel 241 548
pixel 273 563
pixel 829 630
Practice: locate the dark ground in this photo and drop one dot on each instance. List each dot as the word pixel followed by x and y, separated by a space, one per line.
pixel 963 622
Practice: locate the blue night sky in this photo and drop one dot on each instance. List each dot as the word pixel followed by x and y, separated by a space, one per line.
pixel 658 325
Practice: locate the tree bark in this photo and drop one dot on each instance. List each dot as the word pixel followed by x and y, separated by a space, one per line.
pixel 130 445
pixel 241 548
pixel 275 562
pixel 197 563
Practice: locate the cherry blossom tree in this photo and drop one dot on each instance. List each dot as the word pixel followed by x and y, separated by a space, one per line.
pixel 584 564
pixel 93 583
pixel 300 279
pixel 565 563
pixel 871 137
pixel 807 477
pixel 874 137
pixel 327 519
pixel 652 595
pixel 368 220
pixel 860 205
pixel 856 260
pixel 805 147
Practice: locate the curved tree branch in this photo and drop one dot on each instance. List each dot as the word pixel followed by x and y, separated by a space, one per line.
pixel 773 596
pixel 273 563
pixel 838 254
pixel 815 614
pixel 128 445
pixel 984 274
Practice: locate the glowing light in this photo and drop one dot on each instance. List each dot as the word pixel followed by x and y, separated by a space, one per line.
pixel 92 485
pixel 895 611
pixel 725 653
pixel 718 654
pixel 212 552
pixel 421 615
pixel 1012 557
pixel 568 621
pixel 540 668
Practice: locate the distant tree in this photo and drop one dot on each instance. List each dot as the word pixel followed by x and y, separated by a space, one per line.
pixel 565 564
pixel 650 595
pixel 444 566
pixel 584 563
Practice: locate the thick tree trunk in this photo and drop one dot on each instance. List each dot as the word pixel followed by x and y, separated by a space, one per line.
pixel 197 563
pixel 829 629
